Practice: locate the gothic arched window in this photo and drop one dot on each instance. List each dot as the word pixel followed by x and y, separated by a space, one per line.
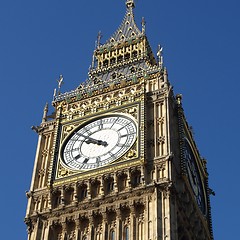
pixel 126 233
pixel 112 235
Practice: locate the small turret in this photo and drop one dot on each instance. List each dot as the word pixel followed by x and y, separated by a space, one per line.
pixel 45 112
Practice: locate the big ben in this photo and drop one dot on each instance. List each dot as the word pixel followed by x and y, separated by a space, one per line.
pixel 117 159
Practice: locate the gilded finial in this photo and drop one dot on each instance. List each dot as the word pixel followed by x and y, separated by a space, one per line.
pixel 60 83
pixel 143 25
pixel 159 55
pixel 130 4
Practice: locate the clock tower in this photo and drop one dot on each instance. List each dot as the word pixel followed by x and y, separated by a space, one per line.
pixel 117 159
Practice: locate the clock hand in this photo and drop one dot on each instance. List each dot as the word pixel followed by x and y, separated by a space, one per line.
pixel 92 140
pixel 95 141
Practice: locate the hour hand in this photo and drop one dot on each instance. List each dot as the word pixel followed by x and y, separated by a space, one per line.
pixel 95 141
pixel 92 140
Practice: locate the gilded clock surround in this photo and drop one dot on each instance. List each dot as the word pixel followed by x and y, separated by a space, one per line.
pixel 133 154
pixel 144 194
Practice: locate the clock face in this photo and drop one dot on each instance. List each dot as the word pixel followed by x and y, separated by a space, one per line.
pixel 99 142
pixel 194 176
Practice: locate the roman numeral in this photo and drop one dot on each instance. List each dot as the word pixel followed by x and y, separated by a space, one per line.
pixel 114 122
pixel 124 126
pixel 100 126
pixel 85 160
pixel 128 134
pixel 77 157
pixel 112 155
pixel 123 145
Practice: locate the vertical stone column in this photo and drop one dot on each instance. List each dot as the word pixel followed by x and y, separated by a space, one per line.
pixel 166 214
pixel 46 231
pixel 77 228
pixel 154 130
pixel 104 222
pixel 45 160
pixel 49 199
pixel 34 176
pixel 146 218
pixel 64 229
pixel 115 183
pixel 118 222
pixel 62 196
pixel 132 222
pixel 35 229
pixel 75 196
pixel 89 190
pixel 91 225
pixel 101 190
pixel 156 173
pixel 142 175
pixel 128 184
pixel 151 219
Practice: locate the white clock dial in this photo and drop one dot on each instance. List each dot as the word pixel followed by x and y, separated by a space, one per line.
pixel 99 142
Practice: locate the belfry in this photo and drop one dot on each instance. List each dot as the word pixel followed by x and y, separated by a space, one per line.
pixel 117 159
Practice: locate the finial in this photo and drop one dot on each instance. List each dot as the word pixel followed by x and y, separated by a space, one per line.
pixel 159 55
pixel 130 4
pixel 99 37
pixel 60 83
pixel 179 99
pixel 143 25
pixel 165 75
pixel 45 112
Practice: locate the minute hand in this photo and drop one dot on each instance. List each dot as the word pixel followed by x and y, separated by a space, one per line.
pixel 92 140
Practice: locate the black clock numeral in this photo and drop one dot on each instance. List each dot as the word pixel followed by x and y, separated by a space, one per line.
pixel 100 126
pixel 127 134
pixel 86 130
pixel 115 120
pixel 86 160
pixel 77 157
pixel 112 155
pixel 71 150
pixel 98 160
pixel 124 126
pixel 73 139
pixel 122 145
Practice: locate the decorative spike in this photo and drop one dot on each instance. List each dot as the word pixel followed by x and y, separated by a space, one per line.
pixel 45 112
pixel 143 25
pixel 99 37
pixel 159 55
pixel 60 83
pixel 130 4
pixel 179 99
pixel 165 75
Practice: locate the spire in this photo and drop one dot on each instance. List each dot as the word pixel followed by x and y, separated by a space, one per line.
pixel 128 28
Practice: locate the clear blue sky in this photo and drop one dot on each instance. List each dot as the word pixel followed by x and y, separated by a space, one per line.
pixel 39 40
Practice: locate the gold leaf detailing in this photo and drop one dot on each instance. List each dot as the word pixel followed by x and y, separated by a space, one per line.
pixel 132 153
pixel 63 172
pixel 132 111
